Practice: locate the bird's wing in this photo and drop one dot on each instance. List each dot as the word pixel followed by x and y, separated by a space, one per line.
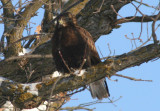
pixel 89 40
pixel 55 40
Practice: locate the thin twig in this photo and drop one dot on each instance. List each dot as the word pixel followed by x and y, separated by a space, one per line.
pixel 147 32
pixel 125 19
pixel 153 29
pixel 51 94
pixel 134 40
pixel 84 58
pixel 131 78
pixel 137 8
pixel 81 66
pixel 77 91
pixel 29 56
pixel 26 38
pixel 68 95
pixel 110 52
pixel 84 105
pixel 141 28
pixel 144 42
pixel 100 52
pixel 64 61
pixel 29 71
pixel 147 5
pixel 99 9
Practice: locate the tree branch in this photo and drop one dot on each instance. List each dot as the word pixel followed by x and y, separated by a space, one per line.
pixel 131 78
pixel 153 28
pixel 99 22
pixel 8 8
pixel 40 66
pixel 20 23
pixel 71 82
pixel 146 18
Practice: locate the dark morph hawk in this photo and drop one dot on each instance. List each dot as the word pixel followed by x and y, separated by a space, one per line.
pixel 71 45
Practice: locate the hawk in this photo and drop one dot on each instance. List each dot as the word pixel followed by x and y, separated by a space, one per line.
pixel 72 48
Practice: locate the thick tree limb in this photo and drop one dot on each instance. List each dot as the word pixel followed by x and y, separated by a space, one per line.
pixel 20 23
pixel 8 19
pixel 70 82
pixel 101 22
pixel 95 21
pixel 136 19
pixel 36 68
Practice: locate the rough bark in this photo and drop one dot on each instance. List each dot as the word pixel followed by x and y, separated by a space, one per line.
pixel 43 66
pixel 20 21
pixel 23 99
pixel 103 22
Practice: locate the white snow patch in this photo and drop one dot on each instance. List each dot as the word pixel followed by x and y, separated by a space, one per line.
pixel 45 102
pixel 1 56
pixel 55 22
pixel 65 1
pixel 34 109
pixel 32 88
pixel 7 109
pixel 3 79
pixel 24 51
pixel 8 106
pixel 79 73
pixel 42 107
pixel 56 74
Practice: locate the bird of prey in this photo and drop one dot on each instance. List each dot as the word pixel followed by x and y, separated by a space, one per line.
pixel 72 48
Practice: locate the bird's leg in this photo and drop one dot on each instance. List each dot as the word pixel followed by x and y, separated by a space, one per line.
pixel 80 68
pixel 84 59
pixel 64 61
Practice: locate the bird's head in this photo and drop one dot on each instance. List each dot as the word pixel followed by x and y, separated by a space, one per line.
pixel 67 19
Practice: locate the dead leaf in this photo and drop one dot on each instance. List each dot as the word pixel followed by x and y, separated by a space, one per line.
pixel 1 109
pixel 38 29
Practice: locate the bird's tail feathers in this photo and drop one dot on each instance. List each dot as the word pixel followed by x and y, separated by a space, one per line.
pixel 99 89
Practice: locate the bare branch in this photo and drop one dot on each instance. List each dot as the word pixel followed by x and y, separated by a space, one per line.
pixel 122 18
pixel 27 38
pixel 51 94
pixel 136 19
pixel 131 78
pixel 99 9
pixel 42 64
pixel 28 56
pixel 153 28
pixel 84 105
pixel 8 8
